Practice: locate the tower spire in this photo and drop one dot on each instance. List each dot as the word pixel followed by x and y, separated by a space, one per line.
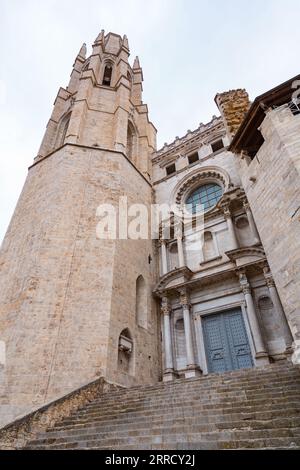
pixel 82 52
pixel 100 38
pixel 125 42
pixel 136 63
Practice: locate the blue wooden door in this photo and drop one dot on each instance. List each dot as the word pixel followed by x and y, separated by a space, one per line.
pixel 226 342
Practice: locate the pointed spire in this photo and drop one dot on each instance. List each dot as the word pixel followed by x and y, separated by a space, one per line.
pixel 100 37
pixel 82 51
pixel 125 42
pixel 136 63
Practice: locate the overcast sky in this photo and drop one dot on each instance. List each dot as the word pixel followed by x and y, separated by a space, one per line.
pixel 189 51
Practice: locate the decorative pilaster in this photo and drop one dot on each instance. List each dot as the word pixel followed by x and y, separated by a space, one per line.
pixel 192 369
pixel 164 259
pixel 169 367
pixel 286 332
pixel 251 222
pixel 178 235
pixel 233 240
pixel 261 353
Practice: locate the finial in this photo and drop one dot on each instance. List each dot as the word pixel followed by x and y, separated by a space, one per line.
pixel 136 63
pixel 125 42
pixel 100 37
pixel 82 51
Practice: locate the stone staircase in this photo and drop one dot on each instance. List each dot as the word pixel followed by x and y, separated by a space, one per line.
pixel 254 408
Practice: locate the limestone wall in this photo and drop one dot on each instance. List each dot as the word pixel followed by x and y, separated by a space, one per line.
pixel 62 289
pixel 271 182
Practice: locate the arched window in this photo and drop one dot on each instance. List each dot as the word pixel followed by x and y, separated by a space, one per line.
pixel 209 251
pixel 107 75
pixel 130 140
pixel 125 352
pixel 62 130
pixel 204 197
pixel 141 302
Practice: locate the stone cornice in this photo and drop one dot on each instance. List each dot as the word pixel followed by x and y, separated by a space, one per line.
pixel 178 273
pixel 188 280
pixel 41 159
pixel 191 139
pixel 247 256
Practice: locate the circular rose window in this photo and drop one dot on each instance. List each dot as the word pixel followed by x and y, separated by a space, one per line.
pixel 203 198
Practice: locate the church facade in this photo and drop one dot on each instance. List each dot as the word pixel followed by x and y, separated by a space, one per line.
pixel 220 297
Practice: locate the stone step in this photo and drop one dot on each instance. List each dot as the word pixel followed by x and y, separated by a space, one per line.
pixel 246 409
pixel 198 383
pixel 290 408
pixel 257 375
pixel 182 422
pixel 201 388
pixel 268 388
pixel 152 420
pixel 197 405
pixel 188 430
pixel 291 415
pixel 242 394
pixel 220 440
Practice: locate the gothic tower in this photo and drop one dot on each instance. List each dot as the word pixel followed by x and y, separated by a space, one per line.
pixel 75 307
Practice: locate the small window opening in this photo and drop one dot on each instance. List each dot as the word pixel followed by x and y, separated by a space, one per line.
pixel 107 75
pixel 193 158
pixel 218 145
pixel 171 169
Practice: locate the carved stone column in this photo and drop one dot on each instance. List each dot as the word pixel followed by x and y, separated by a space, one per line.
pixel 169 367
pixel 251 222
pixel 192 370
pixel 233 240
pixel 164 259
pixel 286 332
pixel 261 352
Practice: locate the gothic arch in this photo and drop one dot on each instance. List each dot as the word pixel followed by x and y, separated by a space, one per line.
pixel 62 129
pixel 132 140
pixel 107 73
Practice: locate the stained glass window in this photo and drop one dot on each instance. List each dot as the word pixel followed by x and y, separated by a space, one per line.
pixel 204 197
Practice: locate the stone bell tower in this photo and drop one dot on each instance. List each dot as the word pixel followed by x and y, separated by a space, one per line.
pixel 74 307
